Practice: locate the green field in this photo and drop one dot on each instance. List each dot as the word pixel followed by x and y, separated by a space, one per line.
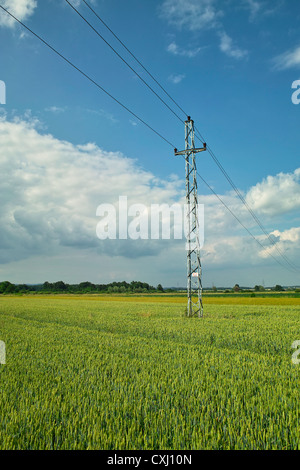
pixel 134 373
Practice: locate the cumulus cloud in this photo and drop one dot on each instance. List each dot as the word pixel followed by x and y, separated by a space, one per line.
pixel 177 78
pixel 287 242
pixel 55 109
pixel 276 195
pixel 194 15
pixel 287 60
pixel 22 9
pixel 254 7
pixel 262 8
pixel 227 46
pixel 174 49
pixel 50 190
pixel 197 15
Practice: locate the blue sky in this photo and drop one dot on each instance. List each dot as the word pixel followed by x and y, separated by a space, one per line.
pixel 66 147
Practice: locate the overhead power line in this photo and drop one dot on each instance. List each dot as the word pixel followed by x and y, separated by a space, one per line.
pixel 254 216
pixel 134 57
pixel 265 248
pixel 257 221
pixel 86 76
pixel 241 223
pixel 241 197
pixel 151 128
pixel 123 60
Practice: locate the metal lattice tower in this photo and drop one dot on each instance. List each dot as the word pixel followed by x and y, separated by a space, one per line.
pixel 194 270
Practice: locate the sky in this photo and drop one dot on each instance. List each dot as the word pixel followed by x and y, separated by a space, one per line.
pixel 67 147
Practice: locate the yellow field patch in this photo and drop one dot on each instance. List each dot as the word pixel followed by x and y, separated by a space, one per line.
pixel 170 298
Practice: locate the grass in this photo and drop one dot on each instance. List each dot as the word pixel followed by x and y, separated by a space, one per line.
pixel 86 372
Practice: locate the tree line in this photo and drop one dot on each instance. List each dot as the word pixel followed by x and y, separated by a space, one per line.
pixel 7 287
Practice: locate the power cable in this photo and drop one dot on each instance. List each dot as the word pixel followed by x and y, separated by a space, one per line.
pixel 256 219
pixel 238 220
pixel 87 76
pixel 151 128
pixel 198 132
pixel 241 223
pixel 134 57
pixel 123 60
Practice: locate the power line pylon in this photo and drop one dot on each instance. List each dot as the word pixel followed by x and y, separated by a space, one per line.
pixel 194 269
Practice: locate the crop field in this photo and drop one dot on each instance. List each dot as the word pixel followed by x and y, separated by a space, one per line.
pixel 117 373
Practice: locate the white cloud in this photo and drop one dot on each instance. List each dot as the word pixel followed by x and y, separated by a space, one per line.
pixel 287 60
pixel 193 15
pixel 22 9
pixel 55 109
pixel 50 190
pixel 276 195
pixel 227 46
pixel 174 49
pixel 290 235
pixel 287 242
pixel 254 7
pixel 176 78
pixel 197 15
pixel 260 9
pixel 228 245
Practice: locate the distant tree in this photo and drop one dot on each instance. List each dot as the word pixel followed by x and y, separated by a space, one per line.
pixel 214 289
pixel 236 288
pixel 60 286
pixel 7 287
pixel 259 288
pixel 22 288
pixel 47 286
pixel 86 285
pixel 278 288
pixel 83 287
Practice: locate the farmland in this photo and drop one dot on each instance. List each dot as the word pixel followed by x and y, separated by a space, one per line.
pixel 113 372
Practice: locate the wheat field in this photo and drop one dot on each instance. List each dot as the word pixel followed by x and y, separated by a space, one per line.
pixel 134 373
